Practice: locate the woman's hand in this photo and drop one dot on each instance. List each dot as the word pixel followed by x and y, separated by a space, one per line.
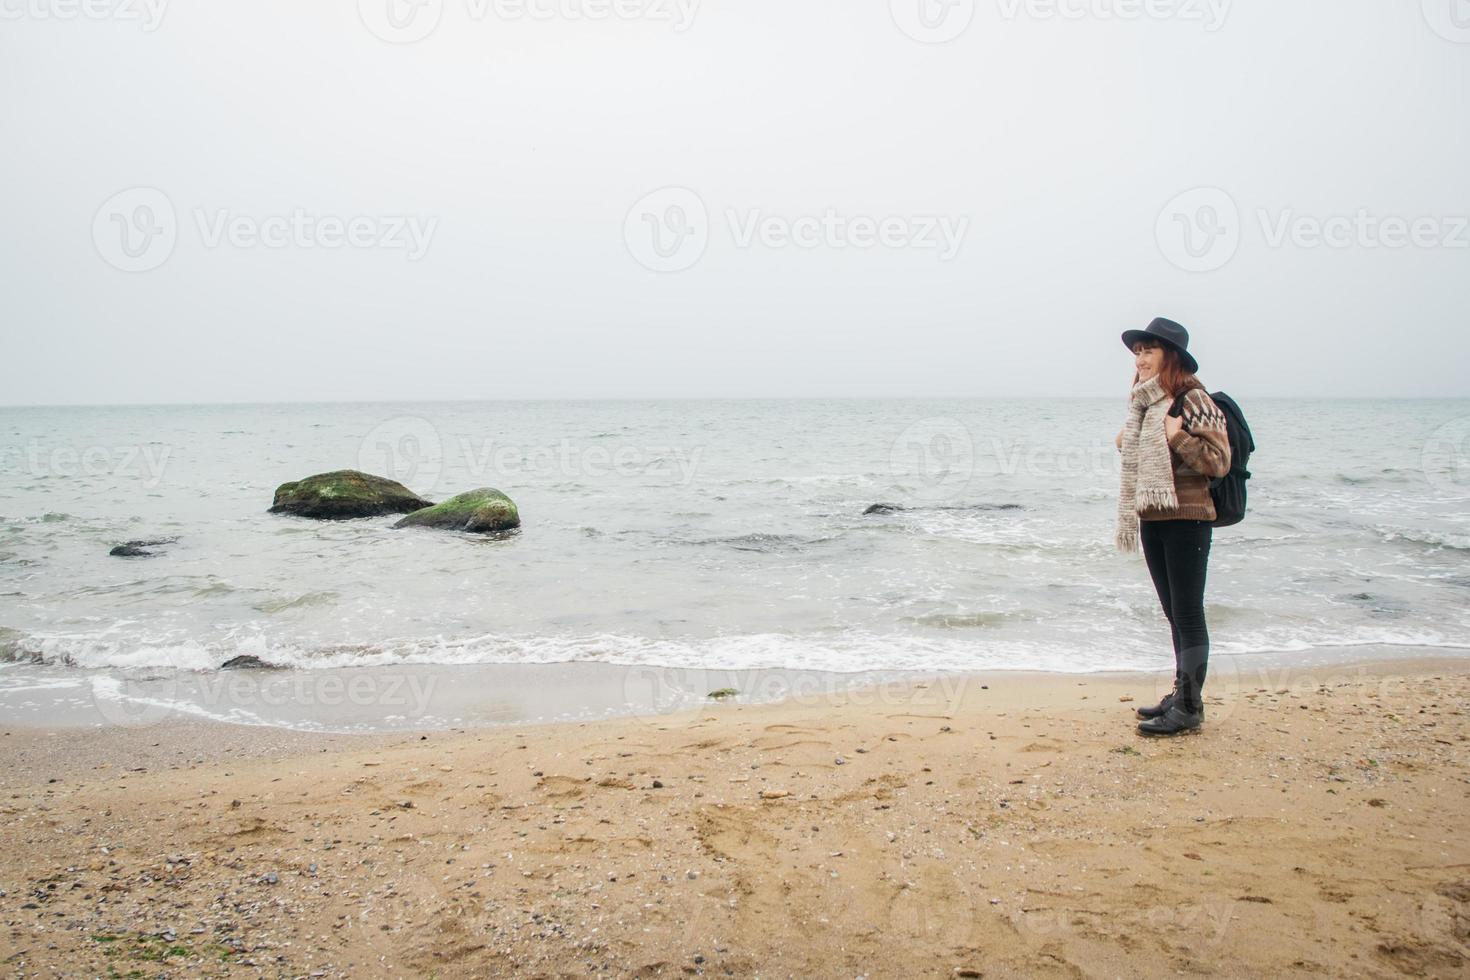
pixel 1119 440
pixel 1172 425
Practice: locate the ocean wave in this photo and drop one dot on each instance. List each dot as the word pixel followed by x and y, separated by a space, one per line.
pixel 284 603
pixel 975 620
pixel 1432 539
pixel 761 541
pixel 1085 651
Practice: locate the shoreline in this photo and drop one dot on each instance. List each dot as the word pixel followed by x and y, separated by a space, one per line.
pixel 417 698
pixel 1010 826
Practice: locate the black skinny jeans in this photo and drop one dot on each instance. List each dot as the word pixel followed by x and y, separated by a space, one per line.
pixel 1178 554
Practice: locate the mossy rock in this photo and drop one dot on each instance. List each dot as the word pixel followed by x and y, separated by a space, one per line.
pixel 482 511
pixel 345 494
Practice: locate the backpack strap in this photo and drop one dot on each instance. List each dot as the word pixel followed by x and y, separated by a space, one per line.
pixel 1177 409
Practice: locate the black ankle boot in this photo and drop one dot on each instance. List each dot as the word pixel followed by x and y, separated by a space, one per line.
pixel 1176 721
pixel 1161 708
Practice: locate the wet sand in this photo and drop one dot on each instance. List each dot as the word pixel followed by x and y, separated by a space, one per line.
pixel 987 825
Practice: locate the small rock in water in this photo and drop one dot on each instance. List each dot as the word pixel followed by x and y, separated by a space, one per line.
pixel 246 661
pixel 883 509
pixel 139 549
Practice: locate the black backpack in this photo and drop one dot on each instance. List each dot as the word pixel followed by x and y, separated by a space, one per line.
pixel 1228 491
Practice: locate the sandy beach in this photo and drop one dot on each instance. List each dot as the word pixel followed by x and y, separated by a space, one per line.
pixel 986 825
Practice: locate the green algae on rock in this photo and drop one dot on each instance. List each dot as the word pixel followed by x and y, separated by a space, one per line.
pixel 482 511
pixel 345 494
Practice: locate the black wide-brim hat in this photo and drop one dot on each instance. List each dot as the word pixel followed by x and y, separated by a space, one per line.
pixel 1168 333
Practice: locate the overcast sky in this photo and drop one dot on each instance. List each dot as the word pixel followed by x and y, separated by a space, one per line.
pixel 277 200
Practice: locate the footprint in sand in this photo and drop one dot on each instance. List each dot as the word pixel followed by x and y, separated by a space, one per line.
pixel 562 786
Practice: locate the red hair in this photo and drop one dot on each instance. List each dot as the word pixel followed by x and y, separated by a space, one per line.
pixel 1172 375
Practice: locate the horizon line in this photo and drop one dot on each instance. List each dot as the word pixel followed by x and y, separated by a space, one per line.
pixel 686 398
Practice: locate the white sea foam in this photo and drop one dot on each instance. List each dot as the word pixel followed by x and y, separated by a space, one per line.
pixel 1102 647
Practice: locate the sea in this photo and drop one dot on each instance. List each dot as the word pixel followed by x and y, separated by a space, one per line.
pixel 733 536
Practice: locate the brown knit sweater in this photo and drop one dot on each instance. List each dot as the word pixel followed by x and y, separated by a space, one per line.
pixel 1200 452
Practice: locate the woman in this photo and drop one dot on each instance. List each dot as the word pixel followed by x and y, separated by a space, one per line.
pixel 1168 461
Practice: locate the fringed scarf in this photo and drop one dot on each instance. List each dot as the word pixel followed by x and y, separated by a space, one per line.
pixel 1148 469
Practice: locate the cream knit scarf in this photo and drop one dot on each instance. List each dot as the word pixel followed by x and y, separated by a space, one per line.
pixel 1148 470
